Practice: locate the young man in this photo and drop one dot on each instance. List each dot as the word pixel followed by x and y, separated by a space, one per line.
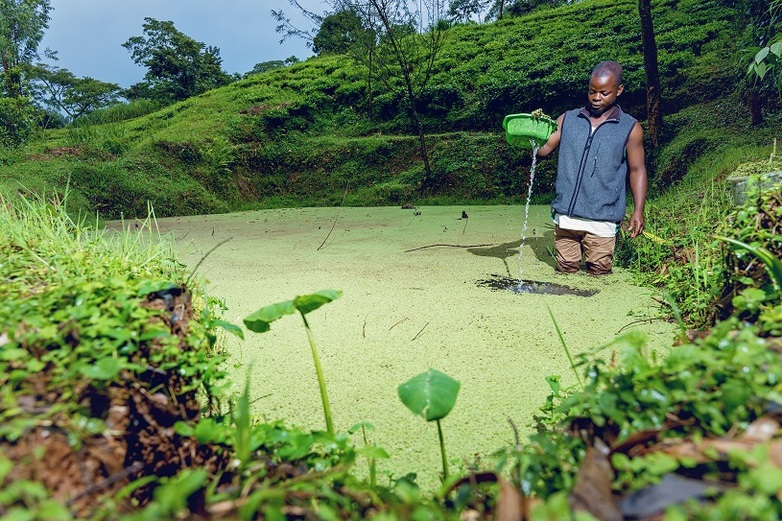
pixel 600 148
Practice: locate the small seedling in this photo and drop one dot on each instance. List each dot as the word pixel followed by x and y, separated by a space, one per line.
pixel 431 395
pixel 260 322
pixel 371 451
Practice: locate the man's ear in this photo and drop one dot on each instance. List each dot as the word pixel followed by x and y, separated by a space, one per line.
pixel 620 89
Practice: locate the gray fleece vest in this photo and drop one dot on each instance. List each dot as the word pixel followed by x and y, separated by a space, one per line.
pixel 592 167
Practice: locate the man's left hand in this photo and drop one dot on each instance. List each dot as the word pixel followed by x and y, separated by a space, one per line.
pixel 637 223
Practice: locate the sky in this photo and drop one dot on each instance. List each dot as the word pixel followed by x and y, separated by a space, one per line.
pixel 88 34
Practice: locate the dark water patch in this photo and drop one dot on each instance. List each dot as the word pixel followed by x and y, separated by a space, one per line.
pixel 533 286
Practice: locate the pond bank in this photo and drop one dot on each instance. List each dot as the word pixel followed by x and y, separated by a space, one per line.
pixel 413 299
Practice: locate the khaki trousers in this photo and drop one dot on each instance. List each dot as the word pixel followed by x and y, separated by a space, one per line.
pixel 572 245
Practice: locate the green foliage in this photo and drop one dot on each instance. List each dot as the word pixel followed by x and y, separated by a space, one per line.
pixel 16 121
pixel 260 322
pixel 60 90
pixel 22 25
pixel 178 67
pixel 431 395
pixel 341 31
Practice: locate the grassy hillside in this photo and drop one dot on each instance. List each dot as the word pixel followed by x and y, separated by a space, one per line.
pixel 302 136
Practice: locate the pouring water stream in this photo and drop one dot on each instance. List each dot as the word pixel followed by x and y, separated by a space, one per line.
pixel 535 147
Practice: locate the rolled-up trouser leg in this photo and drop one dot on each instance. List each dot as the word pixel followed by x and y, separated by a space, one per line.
pixel 567 244
pixel 598 254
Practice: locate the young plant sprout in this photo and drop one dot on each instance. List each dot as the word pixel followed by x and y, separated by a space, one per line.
pixel 260 322
pixel 431 395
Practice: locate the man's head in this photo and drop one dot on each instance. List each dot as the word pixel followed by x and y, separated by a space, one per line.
pixel 605 86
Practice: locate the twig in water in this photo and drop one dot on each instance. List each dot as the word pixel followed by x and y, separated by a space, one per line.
pixel 421 331
pixel 344 196
pixel 450 246
pixel 392 327
pixel 364 328
pixel 204 258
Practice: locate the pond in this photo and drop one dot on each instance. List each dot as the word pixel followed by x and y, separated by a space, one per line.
pixel 430 287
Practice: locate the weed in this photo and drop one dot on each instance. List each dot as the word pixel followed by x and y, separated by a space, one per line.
pixel 431 395
pixel 260 322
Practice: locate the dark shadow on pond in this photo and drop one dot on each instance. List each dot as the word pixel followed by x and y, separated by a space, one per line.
pixel 541 246
pixel 498 282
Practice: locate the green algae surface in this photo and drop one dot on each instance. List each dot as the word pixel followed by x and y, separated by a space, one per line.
pixel 414 297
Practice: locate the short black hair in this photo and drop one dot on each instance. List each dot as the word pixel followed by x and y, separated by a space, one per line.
pixel 608 67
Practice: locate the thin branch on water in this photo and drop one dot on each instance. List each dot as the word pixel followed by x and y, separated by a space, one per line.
pixel 450 246
pixel 204 258
pixel 640 321
pixel 334 224
pixel 421 331
pixel 392 327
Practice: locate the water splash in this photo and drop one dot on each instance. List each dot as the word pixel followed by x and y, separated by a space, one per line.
pixel 535 148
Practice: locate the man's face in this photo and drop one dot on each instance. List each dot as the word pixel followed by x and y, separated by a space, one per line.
pixel 603 91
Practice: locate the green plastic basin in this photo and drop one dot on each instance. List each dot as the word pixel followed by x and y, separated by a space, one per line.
pixel 526 130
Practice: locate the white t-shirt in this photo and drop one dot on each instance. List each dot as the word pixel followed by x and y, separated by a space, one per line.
pixel 599 228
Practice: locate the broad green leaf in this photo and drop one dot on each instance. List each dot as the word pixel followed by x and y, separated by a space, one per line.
pixel 430 395
pixel 307 303
pixel 15 353
pixel 231 328
pixel 53 511
pixel 260 321
pixel 761 55
pixel 760 70
pixel 776 48
pixel 153 286
pixel 361 425
pixel 735 393
pixel 373 452
pixel 103 369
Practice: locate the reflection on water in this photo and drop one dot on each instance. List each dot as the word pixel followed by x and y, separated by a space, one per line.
pixel 533 286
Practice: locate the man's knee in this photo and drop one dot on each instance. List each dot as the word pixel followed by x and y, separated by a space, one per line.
pixel 599 253
pixel 567 266
pixel 599 268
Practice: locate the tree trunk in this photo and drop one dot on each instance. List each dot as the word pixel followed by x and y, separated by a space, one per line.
pixel 428 183
pixel 369 88
pixel 653 92
pixel 754 108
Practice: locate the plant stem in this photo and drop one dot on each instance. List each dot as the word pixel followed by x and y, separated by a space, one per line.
pixel 442 450
pixel 567 351
pixel 321 381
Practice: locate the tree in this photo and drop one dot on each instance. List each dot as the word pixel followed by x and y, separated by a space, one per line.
pixel 654 115
pixel 178 67
pixel 410 58
pixel 60 90
pixel 764 57
pixel 22 25
pixel 465 10
pixel 270 65
pixel 342 32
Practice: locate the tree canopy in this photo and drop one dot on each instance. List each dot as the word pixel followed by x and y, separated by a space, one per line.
pixel 22 25
pixel 60 90
pixel 340 31
pixel 178 66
